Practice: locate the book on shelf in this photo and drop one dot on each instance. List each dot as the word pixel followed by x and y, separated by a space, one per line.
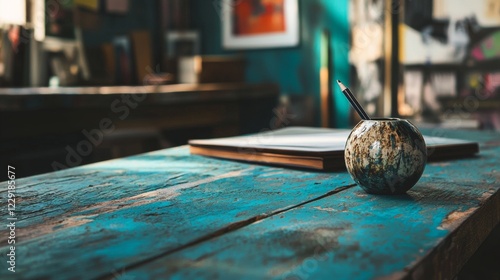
pixel 143 55
pixel 312 148
pixel 124 64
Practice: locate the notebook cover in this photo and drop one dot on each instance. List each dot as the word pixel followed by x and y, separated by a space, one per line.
pixel 316 148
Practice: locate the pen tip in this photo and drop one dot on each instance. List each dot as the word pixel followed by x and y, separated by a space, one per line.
pixel 339 82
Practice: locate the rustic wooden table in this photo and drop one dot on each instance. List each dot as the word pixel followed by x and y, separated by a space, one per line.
pixel 168 214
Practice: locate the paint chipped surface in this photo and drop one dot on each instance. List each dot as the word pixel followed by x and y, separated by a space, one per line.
pixel 455 218
pixel 117 212
pixel 486 195
pixel 327 209
pixel 84 215
pixel 128 216
pixel 387 235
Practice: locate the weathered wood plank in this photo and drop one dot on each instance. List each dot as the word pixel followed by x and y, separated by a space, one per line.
pixel 92 220
pixel 428 233
pixel 107 218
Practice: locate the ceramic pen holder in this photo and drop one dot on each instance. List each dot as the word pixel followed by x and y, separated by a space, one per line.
pixel 385 156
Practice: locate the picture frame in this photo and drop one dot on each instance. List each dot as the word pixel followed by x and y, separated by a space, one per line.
pixel 254 24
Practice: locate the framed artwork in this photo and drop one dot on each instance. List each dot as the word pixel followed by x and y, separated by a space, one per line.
pixel 252 24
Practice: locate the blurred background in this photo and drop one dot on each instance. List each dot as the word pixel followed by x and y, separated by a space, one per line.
pixel 88 80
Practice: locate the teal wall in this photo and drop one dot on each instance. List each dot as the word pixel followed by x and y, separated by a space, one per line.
pixel 296 70
pixel 142 15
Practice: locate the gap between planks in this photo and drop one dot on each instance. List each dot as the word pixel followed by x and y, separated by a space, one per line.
pixel 227 229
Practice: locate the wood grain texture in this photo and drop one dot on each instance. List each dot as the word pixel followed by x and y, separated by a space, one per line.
pixel 169 214
pixel 92 220
pixel 428 233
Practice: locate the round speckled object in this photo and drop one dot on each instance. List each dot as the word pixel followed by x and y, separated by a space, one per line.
pixel 385 156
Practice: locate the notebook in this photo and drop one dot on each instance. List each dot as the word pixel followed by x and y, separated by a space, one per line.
pixel 312 148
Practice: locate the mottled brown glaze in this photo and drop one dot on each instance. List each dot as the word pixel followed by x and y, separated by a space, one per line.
pixel 385 156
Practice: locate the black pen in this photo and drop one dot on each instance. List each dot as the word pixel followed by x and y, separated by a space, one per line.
pixel 353 101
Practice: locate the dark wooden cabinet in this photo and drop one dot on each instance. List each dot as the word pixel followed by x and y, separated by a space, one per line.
pixel 44 129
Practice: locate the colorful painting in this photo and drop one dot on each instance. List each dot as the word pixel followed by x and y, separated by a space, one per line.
pixel 488 48
pixel 260 23
pixel 258 17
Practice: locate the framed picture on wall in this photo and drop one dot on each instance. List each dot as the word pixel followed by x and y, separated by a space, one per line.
pixel 252 24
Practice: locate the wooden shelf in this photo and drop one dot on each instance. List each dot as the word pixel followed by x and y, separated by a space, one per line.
pixel 20 99
pixel 43 122
pixel 482 105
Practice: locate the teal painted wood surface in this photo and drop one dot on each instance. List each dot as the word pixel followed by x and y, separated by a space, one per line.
pixel 169 214
pixel 102 216
pixel 349 235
